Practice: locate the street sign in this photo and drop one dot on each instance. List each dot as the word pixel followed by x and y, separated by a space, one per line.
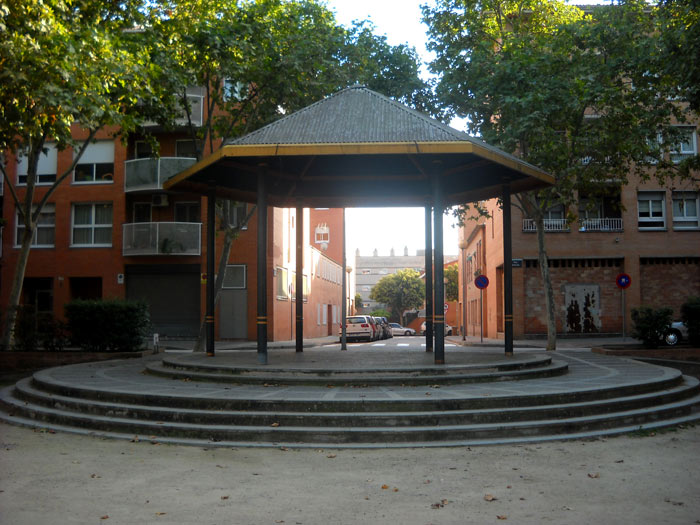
pixel 481 282
pixel 623 281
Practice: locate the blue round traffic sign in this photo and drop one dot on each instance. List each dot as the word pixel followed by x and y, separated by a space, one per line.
pixel 623 281
pixel 481 282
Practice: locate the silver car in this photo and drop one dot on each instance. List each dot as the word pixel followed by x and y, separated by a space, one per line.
pixel 397 329
pixel 677 332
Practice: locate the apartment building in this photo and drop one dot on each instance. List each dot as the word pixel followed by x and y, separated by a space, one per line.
pixel 645 230
pixel 110 231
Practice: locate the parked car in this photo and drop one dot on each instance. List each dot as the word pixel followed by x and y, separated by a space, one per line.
pixel 397 329
pixel 360 327
pixel 448 329
pixel 384 328
pixel 676 333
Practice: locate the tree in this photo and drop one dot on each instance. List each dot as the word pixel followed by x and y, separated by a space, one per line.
pixel 572 93
pixel 68 69
pixel 400 291
pixel 452 283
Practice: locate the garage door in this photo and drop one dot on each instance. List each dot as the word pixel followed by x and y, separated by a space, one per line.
pixel 172 293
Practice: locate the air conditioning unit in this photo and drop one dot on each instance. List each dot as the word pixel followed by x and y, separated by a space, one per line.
pixel 159 199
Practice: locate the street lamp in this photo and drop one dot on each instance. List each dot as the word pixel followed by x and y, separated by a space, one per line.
pixel 463 246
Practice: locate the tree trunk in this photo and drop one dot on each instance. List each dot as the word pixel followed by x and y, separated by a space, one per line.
pixel 547 281
pixel 8 336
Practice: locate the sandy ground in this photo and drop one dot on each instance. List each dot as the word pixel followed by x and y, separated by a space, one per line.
pixel 67 479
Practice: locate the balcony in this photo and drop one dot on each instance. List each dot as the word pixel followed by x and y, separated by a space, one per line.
pixel 162 238
pixel 150 174
pixel 550 225
pixel 604 224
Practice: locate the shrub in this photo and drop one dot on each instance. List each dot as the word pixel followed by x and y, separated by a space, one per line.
pixel 107 325
pixel 651 324
pixel 52 332
pixel 26 334
pixel 690 313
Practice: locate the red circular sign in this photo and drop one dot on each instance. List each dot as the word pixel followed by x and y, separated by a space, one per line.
pixel 623 281
pixel 481 282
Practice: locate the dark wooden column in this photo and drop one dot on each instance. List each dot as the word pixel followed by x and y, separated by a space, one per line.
pixel 429 278
pixel 262 265
pixel 211 268
pixel 300 278
pixel 507 272
pixel 439 315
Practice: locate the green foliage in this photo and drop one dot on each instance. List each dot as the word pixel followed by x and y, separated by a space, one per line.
pixel 650 324
pixel 690 313
pixel 382 313
pixel 400 291
pixel 26 332
pixel 358 300
pixel 452 286
pixel 111 325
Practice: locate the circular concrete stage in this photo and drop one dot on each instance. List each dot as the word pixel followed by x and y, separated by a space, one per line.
pixel 363 397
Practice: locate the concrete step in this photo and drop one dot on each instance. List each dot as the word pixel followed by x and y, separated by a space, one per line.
pixel 26 392
pixel 17 411
pixel 360 377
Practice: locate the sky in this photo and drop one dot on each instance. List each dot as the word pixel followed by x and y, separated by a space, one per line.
pixel 386 228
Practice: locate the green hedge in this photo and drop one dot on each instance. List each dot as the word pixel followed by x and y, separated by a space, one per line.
pixel 109 325
pixel 651 324
pixel 690 313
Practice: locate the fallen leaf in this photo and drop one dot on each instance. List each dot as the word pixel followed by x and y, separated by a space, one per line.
pixel 105 517
pixel 384 487
pixel 437 505
pixel 395 489
pixel 95 476
pixel 275 425
pixel 490 497
pixel 620 461
pixel 502 517
pixel 331 456
pixel 225 497
pixel 444 501
pixel 594 476
pixel 284 449
pixel 161 513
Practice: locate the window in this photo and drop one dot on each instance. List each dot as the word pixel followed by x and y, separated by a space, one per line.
pixel 651 210
pixel 236 213
pixel 685 210
pixel 92 224
pixel 143 150
pixel 186 148
pixel 45 233
pixel 187 212
pixel 142 212
pixel 685 146
pixel 96 165
pixel 235 277
pixel 45 170
pixel 282 284
pixel 323 233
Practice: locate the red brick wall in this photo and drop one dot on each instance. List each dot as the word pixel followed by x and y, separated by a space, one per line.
pixel 668 282
pixel 593 272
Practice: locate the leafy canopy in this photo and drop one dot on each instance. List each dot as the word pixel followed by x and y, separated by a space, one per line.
pixel 400 291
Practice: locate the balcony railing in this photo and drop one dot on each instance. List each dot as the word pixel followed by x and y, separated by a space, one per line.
pixel 550 225
pixel 150 174
pixel 604 224
pixel 162 238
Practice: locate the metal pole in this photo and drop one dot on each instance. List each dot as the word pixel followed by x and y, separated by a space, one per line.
pixel 262 266
pixel 624 314
pixel 428 278
pixel 300 278
pixel 344 307
pixel 463 247
pixel 481 313
pixel 211 248
pixel 507 272
pixel 439 307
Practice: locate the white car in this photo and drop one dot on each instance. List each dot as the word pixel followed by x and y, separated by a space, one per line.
pixel 397 329
pixel 677 332
pixel 448 329
pixel 360 327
